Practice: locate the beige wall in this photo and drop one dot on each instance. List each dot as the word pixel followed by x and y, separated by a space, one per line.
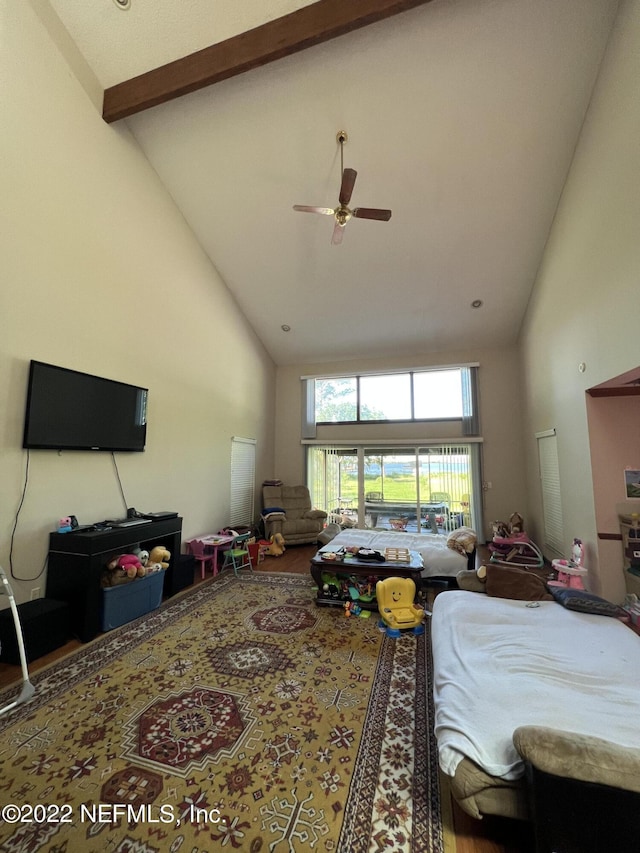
pixel 499 392
pixel 585 302
pixel 101 274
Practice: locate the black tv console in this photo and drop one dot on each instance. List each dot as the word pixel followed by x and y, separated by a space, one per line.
pixel 76 561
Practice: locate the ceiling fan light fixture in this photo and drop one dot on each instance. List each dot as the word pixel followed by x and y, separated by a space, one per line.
pixel 343 213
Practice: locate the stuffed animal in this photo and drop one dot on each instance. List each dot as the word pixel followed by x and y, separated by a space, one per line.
pixel 516 523
pixel 122 569
pixel 499 529
pixel 130 564
pixel 160 555
pixel 142 555
pixel 276 546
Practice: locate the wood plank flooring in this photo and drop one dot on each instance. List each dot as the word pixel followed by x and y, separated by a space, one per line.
pixel 491 835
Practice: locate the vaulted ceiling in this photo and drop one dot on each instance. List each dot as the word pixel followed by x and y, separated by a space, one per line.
pixel 462 118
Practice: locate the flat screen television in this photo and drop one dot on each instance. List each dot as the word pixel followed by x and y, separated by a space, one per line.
pixel 68 410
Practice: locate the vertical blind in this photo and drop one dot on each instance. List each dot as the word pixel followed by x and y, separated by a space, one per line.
pixel 243 479
pixel 324 477
pixel 448 473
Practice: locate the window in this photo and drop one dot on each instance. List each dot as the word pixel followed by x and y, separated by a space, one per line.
pixel 415 395
pixel 438 394
pixel 336 400
pixel 407 488
pixel 243 478
pixel 386 398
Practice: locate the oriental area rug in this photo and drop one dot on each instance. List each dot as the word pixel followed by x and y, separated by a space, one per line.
pixel 238 716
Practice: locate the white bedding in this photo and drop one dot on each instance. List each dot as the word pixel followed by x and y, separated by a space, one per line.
pixel 439 560
pixel 499 664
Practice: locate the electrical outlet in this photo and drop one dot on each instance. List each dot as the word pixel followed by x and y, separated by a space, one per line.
pixel 35 593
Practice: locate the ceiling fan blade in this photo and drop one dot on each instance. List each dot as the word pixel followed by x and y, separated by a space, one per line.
pixel 306 209
pixel 346 188
pixel 372 213
pixel 338 233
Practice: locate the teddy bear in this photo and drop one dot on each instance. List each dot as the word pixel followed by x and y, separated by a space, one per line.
pixel 276 546
pixel 122 569
pixel 159 556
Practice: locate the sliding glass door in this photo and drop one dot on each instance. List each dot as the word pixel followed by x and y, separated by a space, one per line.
pixel 416 489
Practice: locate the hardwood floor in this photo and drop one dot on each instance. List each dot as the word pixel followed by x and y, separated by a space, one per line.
pixel 491 835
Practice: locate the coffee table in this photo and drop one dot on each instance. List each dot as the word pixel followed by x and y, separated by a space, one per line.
pixel 360 570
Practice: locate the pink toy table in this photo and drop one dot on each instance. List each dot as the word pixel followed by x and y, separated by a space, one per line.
pixel 212 542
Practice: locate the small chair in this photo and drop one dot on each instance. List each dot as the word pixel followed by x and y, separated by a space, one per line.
pixel 238 556
pixel 202 556
pixel 396 606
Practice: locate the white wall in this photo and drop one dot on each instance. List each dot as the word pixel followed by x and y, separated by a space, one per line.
pixel 500 416
pixel 585 302
pixel 102 275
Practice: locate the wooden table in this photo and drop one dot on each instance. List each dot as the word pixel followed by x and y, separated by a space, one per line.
pixel 357 568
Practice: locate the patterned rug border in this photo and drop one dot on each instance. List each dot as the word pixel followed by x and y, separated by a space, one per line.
pixel 95 654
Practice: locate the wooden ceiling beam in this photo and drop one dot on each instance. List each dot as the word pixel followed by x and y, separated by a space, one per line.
pixel 311 25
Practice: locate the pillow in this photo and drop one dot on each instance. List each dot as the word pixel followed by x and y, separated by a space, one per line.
pixel 516 583
pixel 585 602
pixel 463 540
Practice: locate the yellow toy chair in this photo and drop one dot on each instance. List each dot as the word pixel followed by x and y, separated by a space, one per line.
pixel 395 605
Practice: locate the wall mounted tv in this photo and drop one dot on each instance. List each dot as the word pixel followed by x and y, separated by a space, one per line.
pixel 67 410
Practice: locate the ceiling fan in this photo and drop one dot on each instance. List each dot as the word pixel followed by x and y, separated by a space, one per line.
pixel 342 212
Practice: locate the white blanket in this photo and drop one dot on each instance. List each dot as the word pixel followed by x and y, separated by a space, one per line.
pixel 499 664
pixel 438 558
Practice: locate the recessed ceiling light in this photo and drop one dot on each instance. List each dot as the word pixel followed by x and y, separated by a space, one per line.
pixel 285 328
pixel 477 303
pixel 123 4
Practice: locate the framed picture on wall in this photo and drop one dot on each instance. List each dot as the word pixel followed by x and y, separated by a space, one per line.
pixel 632 483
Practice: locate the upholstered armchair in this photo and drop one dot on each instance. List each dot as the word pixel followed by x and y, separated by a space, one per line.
pixel 287 510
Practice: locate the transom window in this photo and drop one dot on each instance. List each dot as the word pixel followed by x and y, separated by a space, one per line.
pixel 410 396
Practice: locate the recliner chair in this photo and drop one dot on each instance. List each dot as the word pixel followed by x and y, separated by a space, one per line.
pixel 287 510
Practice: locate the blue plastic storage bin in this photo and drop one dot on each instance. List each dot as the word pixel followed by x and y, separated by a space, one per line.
pixel 123 603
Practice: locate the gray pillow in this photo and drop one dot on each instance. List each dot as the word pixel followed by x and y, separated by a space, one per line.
pixel 585 602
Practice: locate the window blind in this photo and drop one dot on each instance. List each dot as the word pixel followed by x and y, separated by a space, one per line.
pixel 550 487
pixel 243 479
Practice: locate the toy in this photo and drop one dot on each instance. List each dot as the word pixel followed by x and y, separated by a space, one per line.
pixel 160 555
pixel 396 607
pixel 122 569
pixel 130 564
pixel 64 525
pixel 570 572
pixel 276 546
pixel 516 523
pixel 142 555
pixel 351 607
pixel 511 545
